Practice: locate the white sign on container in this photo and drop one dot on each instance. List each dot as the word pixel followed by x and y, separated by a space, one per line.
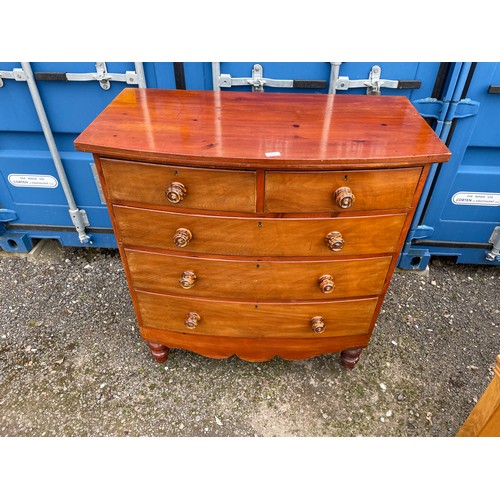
pixel 33 180
pixel 478 199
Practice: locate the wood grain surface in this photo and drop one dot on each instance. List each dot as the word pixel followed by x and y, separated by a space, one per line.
pixel 240 129
pixel 253 237
pixel 258 320
pixel 484 419
pixel 207 189
pixel 314 191
pixel 253 349
pixel 255 279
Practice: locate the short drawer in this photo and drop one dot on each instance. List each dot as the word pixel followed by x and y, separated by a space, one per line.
pixel 288 237
pixel 257 279
pixel 249 319
pixel 194 188
pixel 389 189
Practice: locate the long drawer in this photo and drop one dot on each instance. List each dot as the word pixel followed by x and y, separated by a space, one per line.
pixel 292 237
pixel 256 279
pixel 199 188
pixel 258 320
pixel 389 189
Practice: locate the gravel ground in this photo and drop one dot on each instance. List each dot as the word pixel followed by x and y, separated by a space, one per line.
pixel 72 362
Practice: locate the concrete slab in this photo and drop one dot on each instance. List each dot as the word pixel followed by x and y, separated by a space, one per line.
pixel 417 272
pixel 49 251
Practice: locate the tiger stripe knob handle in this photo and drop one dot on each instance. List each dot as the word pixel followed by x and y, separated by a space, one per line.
pixel 187 279
pixel 318 324
pixel 175 192
pixel 326 284
pixel 191 320
pixel 335 241
pixel 344 197
pixel 182 237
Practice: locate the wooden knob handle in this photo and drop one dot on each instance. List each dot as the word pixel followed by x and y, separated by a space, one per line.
pixel 318 324
pixel 188 279
pixel 175 192
pixel 344 197
pixel 191 320
pixel 326 284
pixel 182 237
pixel 335 241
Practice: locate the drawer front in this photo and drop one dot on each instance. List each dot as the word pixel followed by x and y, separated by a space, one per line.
pixel 316 191
pixel 247 319
pixel 205 189
pixel 254 280
pixel 259 237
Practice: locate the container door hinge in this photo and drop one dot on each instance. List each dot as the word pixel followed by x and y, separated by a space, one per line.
pixel 494 253
pixel 258 82
pixel 431 108
pixel 463 109
pixel 446 110
pixel 374 83
pixel 421 232
pixel 7 215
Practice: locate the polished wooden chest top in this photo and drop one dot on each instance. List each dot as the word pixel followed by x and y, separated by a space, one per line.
pixel 260 224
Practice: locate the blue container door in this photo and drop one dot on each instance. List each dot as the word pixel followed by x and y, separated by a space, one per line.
pixel 463 206
pixel 33 204
pixel 32 201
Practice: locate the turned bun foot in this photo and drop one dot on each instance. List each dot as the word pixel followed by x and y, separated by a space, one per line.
pixel 350 357
pixel 159 352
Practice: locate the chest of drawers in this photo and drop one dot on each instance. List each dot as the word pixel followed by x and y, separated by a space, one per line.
pixel 260 225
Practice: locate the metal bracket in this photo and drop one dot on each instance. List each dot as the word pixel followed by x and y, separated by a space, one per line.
pixel 433 108
pixel 16 74
pixel 102 72
pixel 494 253
pixel 80 221
pixel 257 82
pixel 430 107
pixel 465 108
pixel 102 76
pixel 374 83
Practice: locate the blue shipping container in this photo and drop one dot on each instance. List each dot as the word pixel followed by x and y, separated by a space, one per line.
pixel 34 197
pixel 459 216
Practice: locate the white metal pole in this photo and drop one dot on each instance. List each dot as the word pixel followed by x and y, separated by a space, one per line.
pixel 139 69
pixel 215 75
pixel 334 76
pixel 77 216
